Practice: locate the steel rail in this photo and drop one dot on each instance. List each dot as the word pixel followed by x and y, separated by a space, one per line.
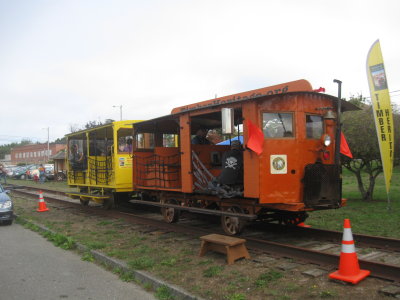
pixel 379 270
pixel 336 236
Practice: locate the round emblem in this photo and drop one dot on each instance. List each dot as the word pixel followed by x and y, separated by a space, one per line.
pixel 278 163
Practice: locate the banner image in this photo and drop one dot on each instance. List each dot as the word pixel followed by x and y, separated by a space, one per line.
pixel 382 109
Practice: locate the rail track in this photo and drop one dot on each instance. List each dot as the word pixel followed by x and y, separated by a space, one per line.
pixel 308 245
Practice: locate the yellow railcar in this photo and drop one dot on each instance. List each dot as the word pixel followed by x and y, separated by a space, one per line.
pixel 99 163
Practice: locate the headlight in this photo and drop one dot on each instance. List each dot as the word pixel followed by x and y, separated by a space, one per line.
pixel 327 140
pixel 6 204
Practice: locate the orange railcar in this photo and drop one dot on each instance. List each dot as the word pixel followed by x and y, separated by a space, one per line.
pixel 297 170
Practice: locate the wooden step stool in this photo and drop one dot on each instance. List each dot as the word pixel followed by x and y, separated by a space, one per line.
pixel 234 248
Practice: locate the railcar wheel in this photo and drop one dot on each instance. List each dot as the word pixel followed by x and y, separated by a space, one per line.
pixel 60 176
pixel 171 215
pixel 232 225
pixel 84 202
pixel 109 203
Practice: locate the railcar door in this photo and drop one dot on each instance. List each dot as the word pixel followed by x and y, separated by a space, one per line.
pixel 279 170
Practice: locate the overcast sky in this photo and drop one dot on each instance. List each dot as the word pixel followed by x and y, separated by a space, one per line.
pixel 63 63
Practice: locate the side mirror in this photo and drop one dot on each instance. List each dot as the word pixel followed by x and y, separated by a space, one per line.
pixel 227 116
pixel 7 191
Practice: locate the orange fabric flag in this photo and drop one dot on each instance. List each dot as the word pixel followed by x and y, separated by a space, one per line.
pixel 344 147
pixel 256 138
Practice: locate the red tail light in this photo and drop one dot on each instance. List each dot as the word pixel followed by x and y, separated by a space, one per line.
pixel 326 155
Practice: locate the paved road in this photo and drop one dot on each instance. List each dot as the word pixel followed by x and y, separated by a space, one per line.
pixel 32 268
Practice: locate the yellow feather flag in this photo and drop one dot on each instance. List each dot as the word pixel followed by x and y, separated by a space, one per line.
pixel 382 109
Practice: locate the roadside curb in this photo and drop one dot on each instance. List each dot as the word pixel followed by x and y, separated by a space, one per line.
pixel 142 277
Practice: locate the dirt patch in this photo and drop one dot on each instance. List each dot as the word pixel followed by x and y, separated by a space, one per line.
pixel 174 258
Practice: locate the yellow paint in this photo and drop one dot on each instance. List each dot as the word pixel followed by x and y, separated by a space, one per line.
pixel 382 109
pixel 117 177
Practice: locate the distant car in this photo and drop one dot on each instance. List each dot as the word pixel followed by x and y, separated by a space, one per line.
pixel 49 170
pixel 6 207
pixel 19 173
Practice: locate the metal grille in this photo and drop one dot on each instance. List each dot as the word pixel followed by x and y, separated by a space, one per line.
pixel 76 177
pixel 158 171
pixel 322 185
pixel 100 171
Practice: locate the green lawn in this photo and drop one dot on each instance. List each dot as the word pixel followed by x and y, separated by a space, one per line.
pixel 370 218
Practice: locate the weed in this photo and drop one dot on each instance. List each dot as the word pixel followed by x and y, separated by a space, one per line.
pixel 169 262
pixel 136 240
pixel 268 277
pixel 365 251
pixel 127 276
pixel 164 293
pixel 148 286
pixel 205 262
pixel 235 296
pixel 213 271
pixel 87 256
pixel 187 252
pixel 142 263
pixel 59 240
pixel 110 232
pixel 143 249
pixel 120 254
pixel 291 287
pixel 96 245
pixel 104 223
pixel 326 294
pixel 31 226
pixel 186 260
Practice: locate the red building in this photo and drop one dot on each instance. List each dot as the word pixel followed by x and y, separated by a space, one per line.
pixel 34 153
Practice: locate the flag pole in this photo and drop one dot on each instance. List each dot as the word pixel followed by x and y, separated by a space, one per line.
pixel 338 125
pixel 389 202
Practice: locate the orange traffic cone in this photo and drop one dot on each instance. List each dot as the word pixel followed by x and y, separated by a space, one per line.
pixel 349 269
pixel 42 204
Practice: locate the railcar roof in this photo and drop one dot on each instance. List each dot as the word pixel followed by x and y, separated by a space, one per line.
pixel 168 120
pixel 125 122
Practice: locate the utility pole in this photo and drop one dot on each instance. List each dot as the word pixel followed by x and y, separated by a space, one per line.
pixel 48 143
pixel 120 111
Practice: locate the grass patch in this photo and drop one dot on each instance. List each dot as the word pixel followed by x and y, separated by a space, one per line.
pixel 169 262
pixel 59 240
pixel 235 296
pixel 164 293
pixel 213 271
pixel 105 223
pixel 87 256
pixel 142 263
pixel 265 278
pixel 118 253
pixel 96 245
pixel 142 249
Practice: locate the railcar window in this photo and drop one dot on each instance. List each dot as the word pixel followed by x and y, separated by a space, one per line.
pixel 170 140
pixel 125 140
pixel 278 125
pixel 145 141
pixel 314 126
